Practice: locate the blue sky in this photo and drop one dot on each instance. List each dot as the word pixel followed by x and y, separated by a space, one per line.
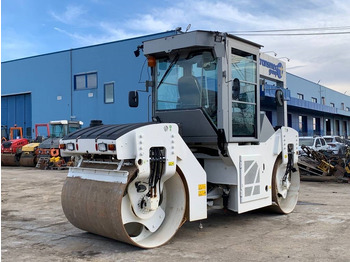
pixel 32 27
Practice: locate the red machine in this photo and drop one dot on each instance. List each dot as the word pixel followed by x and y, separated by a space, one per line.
pixel 10 150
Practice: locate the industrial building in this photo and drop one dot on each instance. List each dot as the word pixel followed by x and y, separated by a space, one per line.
pixel 93 82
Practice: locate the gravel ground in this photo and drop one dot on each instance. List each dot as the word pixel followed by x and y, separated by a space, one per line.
pixel 34 228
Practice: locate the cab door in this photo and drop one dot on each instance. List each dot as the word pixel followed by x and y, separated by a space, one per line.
pixel 243 96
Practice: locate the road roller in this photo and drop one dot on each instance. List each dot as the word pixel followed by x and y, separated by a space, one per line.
pixel 11 149
pixel 208 146
pixel 48 153
pixel 29 156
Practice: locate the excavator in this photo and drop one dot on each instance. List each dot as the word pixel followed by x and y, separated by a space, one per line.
pixel 209 146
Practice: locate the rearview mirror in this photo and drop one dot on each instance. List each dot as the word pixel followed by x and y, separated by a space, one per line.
pixel 133 99
pixel 279 97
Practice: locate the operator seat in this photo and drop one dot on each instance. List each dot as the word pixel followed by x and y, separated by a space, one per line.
pixel 189 92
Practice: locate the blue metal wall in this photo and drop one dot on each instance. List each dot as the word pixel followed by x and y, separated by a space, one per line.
pixel 113 63
pixel 305 113
pixel 325 112
pixel 309 89
pixel 49 79
pixel 16 110
pixel 44 77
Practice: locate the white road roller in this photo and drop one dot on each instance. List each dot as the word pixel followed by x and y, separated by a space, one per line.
pixel 209 146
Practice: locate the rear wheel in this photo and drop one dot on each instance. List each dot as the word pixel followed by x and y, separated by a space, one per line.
pixel 284 191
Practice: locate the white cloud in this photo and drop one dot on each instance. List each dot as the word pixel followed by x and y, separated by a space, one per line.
pixel 311 57
pixel 149 23
pixel 112 32
pixel 71 15
pixel 16 46
pixel 81 39
pixel 108 34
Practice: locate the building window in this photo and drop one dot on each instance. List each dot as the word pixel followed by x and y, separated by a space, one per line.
pixel 301 96
pixel 85 81
pixel 342 106
pixel 332 105
pixel 269 116
pixel 337 127
pixel 323 100
pixel 347 109
pixel 316 125
pixel 345 129
pixel 328 127
pixel 314 100
pixel 290 120
pixel 109 93
pixel 303 125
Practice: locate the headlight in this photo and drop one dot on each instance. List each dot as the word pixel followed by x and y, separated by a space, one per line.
pixel 70 146
pixel 102 147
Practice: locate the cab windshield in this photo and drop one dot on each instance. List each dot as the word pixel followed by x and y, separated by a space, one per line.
pixel 73 127
pixel 58 130
pixel 187 83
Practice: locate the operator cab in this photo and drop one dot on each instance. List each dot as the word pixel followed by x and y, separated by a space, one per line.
pixel 208 85
pixel 61 128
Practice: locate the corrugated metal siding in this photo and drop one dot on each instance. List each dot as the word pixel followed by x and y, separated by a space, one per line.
pixel 17 110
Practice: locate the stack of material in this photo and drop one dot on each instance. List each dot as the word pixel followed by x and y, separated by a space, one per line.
pixel 324 166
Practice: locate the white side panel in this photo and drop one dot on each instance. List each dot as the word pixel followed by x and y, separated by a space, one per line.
pixel 220 173
pixel 253 184
pixel 137 143
pixel 256 164
pixel 289 136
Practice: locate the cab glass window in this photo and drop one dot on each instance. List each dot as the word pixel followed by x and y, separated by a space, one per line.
pixel 244 84
pixel 188 82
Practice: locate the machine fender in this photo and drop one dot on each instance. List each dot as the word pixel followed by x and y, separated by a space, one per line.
pixel 195 181
pixel 178 157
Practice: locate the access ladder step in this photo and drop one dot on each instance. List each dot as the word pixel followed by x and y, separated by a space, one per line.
pixel 42 162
